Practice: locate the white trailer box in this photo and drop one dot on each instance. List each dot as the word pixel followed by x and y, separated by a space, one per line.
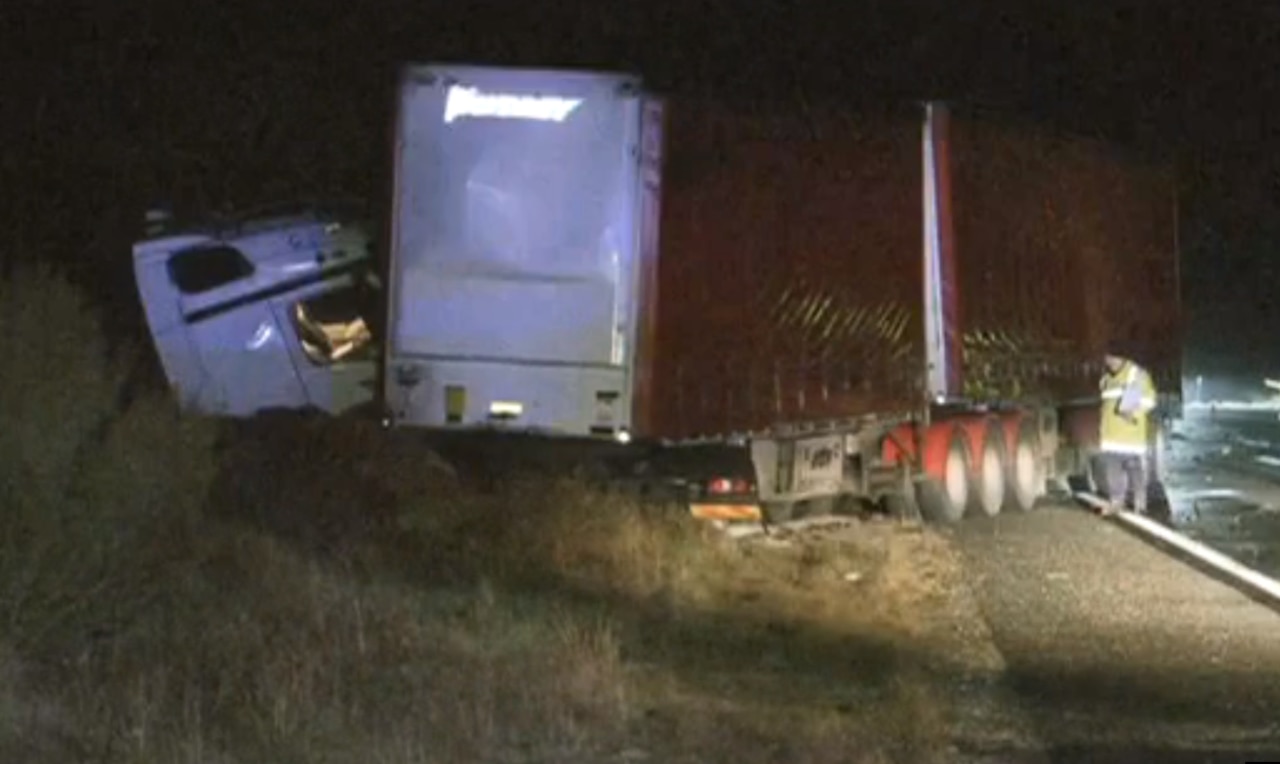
pixel 514 249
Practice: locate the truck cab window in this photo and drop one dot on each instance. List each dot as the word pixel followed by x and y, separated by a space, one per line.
pixel 337 326
pixel 199 270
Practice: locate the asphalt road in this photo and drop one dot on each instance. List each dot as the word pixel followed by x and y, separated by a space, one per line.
pixel 1119 652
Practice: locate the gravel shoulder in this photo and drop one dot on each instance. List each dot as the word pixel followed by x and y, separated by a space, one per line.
pixel 1119 652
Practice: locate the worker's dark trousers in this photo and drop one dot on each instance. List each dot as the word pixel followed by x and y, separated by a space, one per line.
pixel 1122 478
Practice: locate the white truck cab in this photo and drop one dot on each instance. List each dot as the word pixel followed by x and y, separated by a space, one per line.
pixel 524 218
pixel 272 312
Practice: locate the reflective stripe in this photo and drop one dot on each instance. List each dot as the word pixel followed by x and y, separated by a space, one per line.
pixel 1113 388
pixel 1119 447
pixel 725 511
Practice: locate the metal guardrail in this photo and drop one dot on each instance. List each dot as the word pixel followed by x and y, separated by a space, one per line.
pixel 1242 575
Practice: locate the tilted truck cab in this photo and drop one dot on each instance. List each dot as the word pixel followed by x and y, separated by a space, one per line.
pixel 272 313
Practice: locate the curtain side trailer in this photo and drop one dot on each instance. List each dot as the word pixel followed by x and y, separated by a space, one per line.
pixel 908 306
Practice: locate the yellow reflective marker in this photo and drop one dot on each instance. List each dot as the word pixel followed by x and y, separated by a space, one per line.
pixel 455 403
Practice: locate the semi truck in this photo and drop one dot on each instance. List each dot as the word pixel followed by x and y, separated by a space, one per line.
pixel 781 310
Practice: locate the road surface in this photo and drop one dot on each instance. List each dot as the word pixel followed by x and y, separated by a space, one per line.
pixel 1105 648
pixel 1119 653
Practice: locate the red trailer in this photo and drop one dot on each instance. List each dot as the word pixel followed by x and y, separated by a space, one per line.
pixel 903 305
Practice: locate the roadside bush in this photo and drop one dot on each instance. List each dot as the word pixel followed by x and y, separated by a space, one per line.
pixel 142 620
pixel 88 489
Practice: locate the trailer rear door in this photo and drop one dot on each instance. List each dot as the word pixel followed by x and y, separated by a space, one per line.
pixel 514 249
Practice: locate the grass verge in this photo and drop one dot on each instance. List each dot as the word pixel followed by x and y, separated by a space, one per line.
pixel 300 590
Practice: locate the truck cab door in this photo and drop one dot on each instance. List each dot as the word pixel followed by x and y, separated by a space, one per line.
pixel 332 338
pixel 222 348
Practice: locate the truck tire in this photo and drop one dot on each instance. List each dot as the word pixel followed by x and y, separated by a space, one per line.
pixel 935 505
pixel 1026 479
pixel 987 496
pixel 956 479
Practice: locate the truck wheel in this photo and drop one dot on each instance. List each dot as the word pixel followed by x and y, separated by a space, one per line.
pixel 957 470
pixel 935 505
pixel 1025 478
pixel 987 496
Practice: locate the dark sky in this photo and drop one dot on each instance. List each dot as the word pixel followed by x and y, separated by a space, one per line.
pixel 110 108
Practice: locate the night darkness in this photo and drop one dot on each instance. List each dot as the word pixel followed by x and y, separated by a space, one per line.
pixel 110 110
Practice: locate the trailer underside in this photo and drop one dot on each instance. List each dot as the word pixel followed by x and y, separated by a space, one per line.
pixel 954 465
pixel 941 468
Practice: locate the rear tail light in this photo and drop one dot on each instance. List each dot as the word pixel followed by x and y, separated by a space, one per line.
pixel 724 486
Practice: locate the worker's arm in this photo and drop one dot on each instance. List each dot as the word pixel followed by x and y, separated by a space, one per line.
pixel 1139 398
pixel 1149 397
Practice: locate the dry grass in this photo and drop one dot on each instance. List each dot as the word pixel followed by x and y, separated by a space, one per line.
pixel 177 590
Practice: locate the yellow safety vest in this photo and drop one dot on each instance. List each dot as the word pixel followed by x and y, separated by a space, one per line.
pixel 1131 387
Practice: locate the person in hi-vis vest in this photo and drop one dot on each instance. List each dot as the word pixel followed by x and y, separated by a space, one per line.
pixel 1128 396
